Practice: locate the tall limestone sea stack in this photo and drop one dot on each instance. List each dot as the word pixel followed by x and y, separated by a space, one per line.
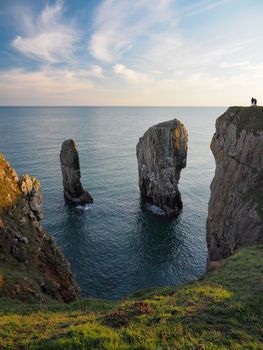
pixel 161 155
pixel 32 268
pixel 235 213
pixel 70 167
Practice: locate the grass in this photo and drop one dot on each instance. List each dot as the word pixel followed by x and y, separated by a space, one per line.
pixel 221 311
pixel 247 118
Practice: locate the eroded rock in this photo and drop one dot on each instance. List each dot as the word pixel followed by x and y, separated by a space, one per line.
pixel 235 212
pixel 31 189
pixel 29 256
pixel 70 167
pixel 161 155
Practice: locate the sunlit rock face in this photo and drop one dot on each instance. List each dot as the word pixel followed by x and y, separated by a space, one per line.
pixel 161 155
pixel 32 267
pixel 235 212
pixel 70 167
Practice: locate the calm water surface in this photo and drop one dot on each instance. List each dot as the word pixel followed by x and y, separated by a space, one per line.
pixel 116 246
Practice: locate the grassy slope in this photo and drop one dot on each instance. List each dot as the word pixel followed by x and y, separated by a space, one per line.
pixel 221 311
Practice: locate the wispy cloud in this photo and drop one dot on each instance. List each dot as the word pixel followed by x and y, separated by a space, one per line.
pixel 200 7
pixel 139 52
pixel 119 23
pixel 95 71
pixel 131 75
pixel 47 37
pixel 46 81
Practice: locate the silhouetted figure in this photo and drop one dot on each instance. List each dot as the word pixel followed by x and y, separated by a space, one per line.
pixel 253 102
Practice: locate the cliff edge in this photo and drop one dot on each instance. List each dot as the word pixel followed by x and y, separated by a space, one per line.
pixel 32 268
pixel 235 211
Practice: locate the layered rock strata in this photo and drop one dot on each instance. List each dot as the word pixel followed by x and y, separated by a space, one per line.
pixel 32 268
pixel 235 212
pixel 70 167
pixel 161 155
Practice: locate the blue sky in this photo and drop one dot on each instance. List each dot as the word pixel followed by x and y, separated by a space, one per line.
pixel 123 52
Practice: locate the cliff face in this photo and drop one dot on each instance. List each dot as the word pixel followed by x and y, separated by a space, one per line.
pixel 70 168
pixel 32 268
pixel 235 212
pixel 161 155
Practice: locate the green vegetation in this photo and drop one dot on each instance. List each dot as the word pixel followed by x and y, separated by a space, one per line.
pixel 224 310
pixel 249 119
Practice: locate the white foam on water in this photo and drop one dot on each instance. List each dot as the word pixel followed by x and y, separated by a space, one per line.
pixel 84 207
pixel 154 209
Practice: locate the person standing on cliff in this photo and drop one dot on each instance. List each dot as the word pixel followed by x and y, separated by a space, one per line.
pixel 253 101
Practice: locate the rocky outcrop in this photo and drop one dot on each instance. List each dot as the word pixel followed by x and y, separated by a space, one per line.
pixel 235 212
pixel 69 161
pixel 161 155
pixel 32 268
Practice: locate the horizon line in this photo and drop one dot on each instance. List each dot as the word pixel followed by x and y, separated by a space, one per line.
pixel 114 106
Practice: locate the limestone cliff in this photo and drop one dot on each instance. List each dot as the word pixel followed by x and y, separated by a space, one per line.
pixel 32 268
pixel 161 155
pixel 235 213
pixel 70 168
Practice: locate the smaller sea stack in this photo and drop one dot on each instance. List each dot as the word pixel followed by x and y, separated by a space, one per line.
pixel 161 155
pixel 69 161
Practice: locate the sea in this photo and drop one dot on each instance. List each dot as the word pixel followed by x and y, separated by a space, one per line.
pixel 119 244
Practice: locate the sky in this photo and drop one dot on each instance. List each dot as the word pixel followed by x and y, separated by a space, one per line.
pixel 131 53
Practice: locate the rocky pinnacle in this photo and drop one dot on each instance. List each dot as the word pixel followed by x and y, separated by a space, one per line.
pixel 70 167
pixel 161 155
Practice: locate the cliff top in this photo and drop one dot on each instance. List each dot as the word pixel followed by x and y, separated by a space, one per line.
pixel 168 124
pixel 12 186
pixel 249 119
pixel 221 311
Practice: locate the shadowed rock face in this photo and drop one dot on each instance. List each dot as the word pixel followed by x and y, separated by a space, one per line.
pixel 161 155
pixel 235 212
pixel 32 267
pixel 69 161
